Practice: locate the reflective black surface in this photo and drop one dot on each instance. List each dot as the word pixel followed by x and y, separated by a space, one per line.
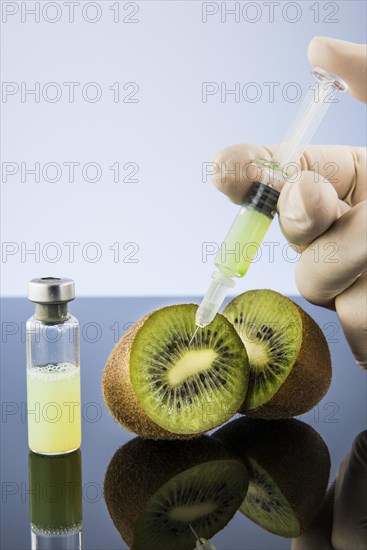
pixel 339 418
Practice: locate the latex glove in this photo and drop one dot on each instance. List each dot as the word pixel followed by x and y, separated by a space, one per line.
pixel 342 521
pixel 333 213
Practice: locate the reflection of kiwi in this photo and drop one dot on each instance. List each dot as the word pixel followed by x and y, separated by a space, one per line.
pixel 288 465
pixel 290 368
pixel 158 386
pixel 155 490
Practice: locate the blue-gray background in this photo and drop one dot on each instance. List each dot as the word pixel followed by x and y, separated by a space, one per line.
pixel 160 222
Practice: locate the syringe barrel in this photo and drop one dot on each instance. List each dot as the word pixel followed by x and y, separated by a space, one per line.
pixel 286 158
pixel 247 232
pixel 213 298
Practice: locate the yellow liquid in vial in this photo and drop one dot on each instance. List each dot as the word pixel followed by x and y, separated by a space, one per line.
pixel 53 403
pixel 242 242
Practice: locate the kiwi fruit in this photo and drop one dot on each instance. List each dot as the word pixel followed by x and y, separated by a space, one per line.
pixel 156 490
pixel 158 386
pixel 290 365
pixel 288 465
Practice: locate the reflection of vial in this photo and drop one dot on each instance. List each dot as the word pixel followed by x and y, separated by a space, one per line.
pixel 55 488
pixel 53 373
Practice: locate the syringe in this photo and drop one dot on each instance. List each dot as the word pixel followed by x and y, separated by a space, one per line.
pixel 259 207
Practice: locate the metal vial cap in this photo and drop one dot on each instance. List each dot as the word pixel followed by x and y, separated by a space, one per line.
pixel 51 290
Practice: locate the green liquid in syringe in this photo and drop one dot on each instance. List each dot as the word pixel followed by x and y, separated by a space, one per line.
pixel 242 242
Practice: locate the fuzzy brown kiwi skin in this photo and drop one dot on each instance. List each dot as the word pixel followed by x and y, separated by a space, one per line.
pixel 293 454
pixel 119 395
pixel 141 467
pixel 308 380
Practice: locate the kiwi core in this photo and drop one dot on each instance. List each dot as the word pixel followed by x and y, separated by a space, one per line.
pixel 191 363
pixel 258 354
pixel 193 512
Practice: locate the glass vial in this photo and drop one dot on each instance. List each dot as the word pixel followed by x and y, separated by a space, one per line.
pixel 53 373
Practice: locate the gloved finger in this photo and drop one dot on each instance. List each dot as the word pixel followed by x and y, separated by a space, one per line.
pixel 318 535
pixel 349 530
pixel 335 260
pixel 344 166
pixel 351 306
pixel 307 209
pixel 233 172
pixel 345 59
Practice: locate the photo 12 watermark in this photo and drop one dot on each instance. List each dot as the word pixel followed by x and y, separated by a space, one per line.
pixel 51 492
pixel 267 92
pixel 70 12
pixel 53 252
pixel 270 12
pixel 69 92
pixel 90 332
pixel 69 171
pixel 255 171
pixel 267 251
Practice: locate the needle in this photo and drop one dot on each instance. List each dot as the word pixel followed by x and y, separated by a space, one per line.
pixel 192 529
pixel 193 336
pixel 202 543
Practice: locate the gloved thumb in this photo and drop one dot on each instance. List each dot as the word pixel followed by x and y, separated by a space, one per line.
pixel 345 59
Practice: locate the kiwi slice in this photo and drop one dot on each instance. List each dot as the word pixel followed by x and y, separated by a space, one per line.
pixel 157 385
pixel 156 490
pixel 266 505
pixel 290 366
pixel 288 465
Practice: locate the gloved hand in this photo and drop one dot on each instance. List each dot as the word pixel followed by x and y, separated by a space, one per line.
pixel 331 212
pixel 342 521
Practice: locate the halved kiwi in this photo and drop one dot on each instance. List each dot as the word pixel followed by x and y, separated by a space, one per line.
pixel 156 490
pixel 290 366
pixel 157 385
pixel 288 465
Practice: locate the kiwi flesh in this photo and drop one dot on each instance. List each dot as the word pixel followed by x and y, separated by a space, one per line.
pixel 288 465
pixel 266 505
pixel 154 491
pixel 290 366
pixel 158 386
